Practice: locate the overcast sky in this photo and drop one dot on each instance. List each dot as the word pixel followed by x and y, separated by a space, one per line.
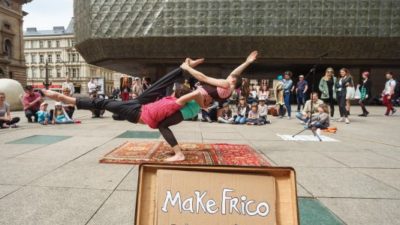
pixel 45 14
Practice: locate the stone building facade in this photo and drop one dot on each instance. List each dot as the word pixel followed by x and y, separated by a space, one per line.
pixel 55 48
pixel 12 62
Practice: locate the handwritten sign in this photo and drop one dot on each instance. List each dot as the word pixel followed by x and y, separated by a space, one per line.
pixel 198 198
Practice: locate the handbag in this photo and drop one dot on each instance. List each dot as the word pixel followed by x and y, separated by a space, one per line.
pixel 357 94
pixel 350 92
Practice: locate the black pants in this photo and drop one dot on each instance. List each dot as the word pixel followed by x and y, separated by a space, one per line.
pixel 341 98
pixel 130 110
pixel 163 127
pixel 69 110
pixel 29 113
pixel 11 122
pixel 362 104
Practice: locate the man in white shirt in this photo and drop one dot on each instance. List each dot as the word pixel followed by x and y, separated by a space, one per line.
pixel 388 93
pixel 69 85
pixel 92 86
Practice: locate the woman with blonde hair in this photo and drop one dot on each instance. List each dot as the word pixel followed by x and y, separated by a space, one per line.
pixel 328 88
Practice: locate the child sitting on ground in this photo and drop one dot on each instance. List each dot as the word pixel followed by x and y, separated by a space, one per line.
pixel 242 111
pixel 254 116
pixel 59 115
pixel 321 120
pixel 43 115
pixel 226 114
pixel 263 111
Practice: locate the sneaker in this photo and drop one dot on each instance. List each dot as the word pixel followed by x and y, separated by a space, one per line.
pixel 341 119
pixel 363 115
pixel 289 118
pixel 347 120
pixel 14 126
pixel 302 122
pixel 394 111
pixel 268 122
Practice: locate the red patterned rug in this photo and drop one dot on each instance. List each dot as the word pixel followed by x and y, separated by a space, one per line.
pixel 196 153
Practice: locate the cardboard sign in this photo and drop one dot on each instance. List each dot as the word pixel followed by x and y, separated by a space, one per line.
pixel 198 198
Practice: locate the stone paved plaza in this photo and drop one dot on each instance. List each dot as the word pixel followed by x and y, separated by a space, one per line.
pixel 58 179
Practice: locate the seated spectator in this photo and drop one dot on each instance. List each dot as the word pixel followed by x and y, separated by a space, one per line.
pixel 263 111
pixel 69 109
pixel 43 115
pixel 31 101
pixel 304 116
pixel 263 93
pixel 252 95
pixel 254 117
pixel 320 120
pixel 59 116
pixel 6 120
pixel 242 111
pixel 226 114
pixel 210 114
pixel 96 113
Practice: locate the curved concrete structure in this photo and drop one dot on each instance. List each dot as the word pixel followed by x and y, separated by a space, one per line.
pixel 13 90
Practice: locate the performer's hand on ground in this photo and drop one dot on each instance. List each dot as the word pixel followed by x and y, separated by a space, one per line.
pixel 252 57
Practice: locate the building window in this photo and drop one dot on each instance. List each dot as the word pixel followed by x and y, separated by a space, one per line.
pixel 58 71
pixel 8 48
pixel 41 58
pixel 2 75
pixel 57 44
pixel 33 57
pixel 74 73
pixel 26 44
pixel 40 44
pixel 50 58
pixel 77 72
pixel 73 57
pixel 33 72
pixel 49 44
pixel 7 26
pixel 58 58
pixel 42 72
pixel 72 42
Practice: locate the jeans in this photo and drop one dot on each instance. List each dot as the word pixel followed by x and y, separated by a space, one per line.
pixel 341 98
pixel 31 112
pixel 318 125
pixel 301 98
pixel 223 120
pixel 240 120
pixel 301 117
pixel 286 98
pixel 131 110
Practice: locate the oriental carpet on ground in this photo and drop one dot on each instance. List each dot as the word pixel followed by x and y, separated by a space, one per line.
pixel 135 152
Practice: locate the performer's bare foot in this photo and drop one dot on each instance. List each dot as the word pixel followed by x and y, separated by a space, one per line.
pixel 193 63
pixel 51 94
pixel 179 156
pixel 59 97
pixel 176 158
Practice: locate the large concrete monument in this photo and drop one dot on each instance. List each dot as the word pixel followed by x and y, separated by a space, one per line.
pixel 127 35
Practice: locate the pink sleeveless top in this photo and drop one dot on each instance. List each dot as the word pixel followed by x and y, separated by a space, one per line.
pixel 153 113
pixel 210 92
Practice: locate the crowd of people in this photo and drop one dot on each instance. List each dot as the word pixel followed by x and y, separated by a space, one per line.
pixel 250 104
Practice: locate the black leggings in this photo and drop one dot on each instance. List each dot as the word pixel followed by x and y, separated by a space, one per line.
pixel 11 122
pixel 163 127
pixel 341 98
pixel 130 110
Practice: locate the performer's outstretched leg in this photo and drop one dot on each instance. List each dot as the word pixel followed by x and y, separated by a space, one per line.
pixel 158 88
pixel 129 110
pixel 169 136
